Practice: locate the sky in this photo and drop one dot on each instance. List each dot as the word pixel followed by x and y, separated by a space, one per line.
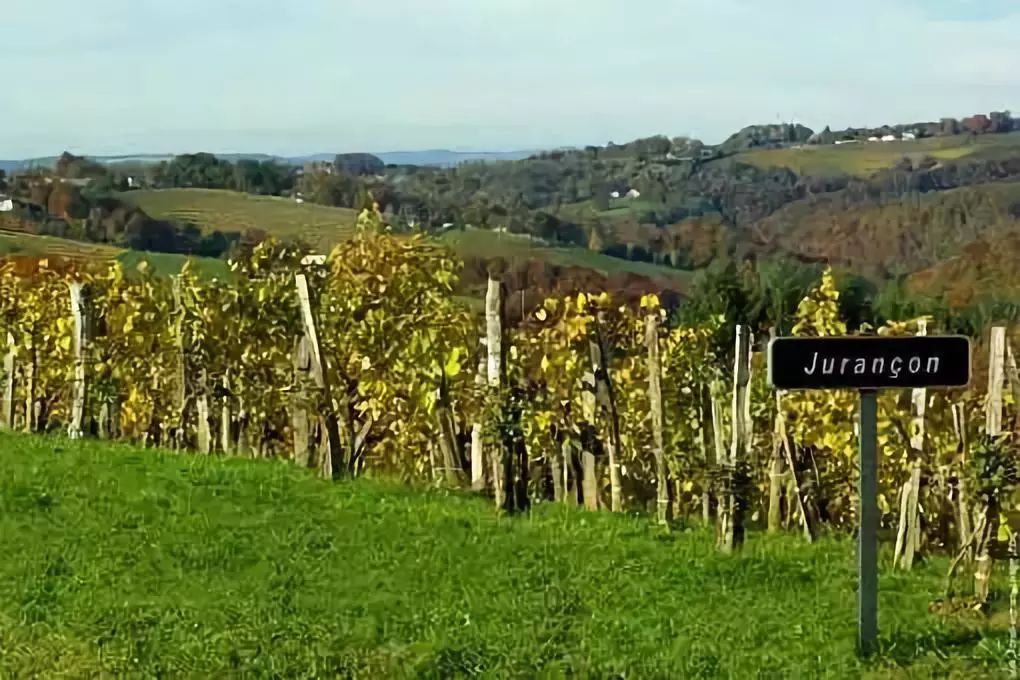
pixel 305 76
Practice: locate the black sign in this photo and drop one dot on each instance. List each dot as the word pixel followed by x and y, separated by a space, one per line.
pixel 869 362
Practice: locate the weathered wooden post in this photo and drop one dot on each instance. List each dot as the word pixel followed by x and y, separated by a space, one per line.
pixel 606 400
pixel 204 438
pixel 81 313
pixel 512 468
pixel 962 505
pixel 731 501
pixel 448 446
pixel 300 422
pixel 908 536
pixel 10 380
pixel 867 364
pixel 993 428
pixel 226 416
pixel 477 447
pixel 663 507
pixel 777 475
pixel 180 394
pixel 495 371
pixel 334 458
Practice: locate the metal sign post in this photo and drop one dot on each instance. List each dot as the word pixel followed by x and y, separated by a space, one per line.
pixel 867 364
pixel 867 535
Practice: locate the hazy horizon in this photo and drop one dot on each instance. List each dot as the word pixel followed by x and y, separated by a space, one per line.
pixel 113 77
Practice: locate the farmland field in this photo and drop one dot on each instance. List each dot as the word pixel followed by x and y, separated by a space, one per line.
pixel 212 209
pixel 121 562
pixel 863 159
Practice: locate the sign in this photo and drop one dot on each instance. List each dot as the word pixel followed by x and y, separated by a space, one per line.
pixel 869 362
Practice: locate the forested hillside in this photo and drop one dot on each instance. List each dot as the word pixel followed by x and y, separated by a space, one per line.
pixel 880 204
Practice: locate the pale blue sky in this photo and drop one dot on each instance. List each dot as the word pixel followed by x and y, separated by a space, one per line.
pixel 302 76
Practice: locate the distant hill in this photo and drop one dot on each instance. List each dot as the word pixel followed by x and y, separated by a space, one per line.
pixel 442 158
pixel 446 159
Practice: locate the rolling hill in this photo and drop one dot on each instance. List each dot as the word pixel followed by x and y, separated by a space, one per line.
pixel 324 226
pixel 212 209
pixel 866 158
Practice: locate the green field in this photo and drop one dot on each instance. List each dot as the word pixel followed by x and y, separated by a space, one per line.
pixel 484 243
pixel 120 562
pixel 863 159
pixel 212 209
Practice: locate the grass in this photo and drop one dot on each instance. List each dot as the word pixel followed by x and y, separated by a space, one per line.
pixel 863 159
pixel 212 209
pixel 484 243
pixel 168 264
pixel 119 562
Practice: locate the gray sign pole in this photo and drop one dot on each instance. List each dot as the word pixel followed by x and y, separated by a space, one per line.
pixel 867 546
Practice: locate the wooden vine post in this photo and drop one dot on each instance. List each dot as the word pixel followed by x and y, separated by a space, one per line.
pixel 477 447
pixel 777 470
pixel 448 445
pixel 180 393
pixel 662 501
pixel 495 373
pixel 300 420
pixel 962 505
pixel 731 501
pixel 333 463
pixel 81 313
pixel 606 402
pixel 993 428
pixel 908 535
pixel 10 378
pixel 226 416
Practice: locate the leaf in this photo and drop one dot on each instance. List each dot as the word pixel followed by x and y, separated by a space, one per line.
pixel 453 366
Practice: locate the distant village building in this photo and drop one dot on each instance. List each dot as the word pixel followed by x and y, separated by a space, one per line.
pixel 615 194
pixel 872 139
pixel 633 193
pixel 846 141
pixel 889 138
pixel 909 136
pixel 6 205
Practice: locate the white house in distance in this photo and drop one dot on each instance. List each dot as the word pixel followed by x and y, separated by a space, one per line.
pixel 908 137
pixel 6 204
pixel 633 193
pixel 615 194
pixel 889 138
pixel 872 139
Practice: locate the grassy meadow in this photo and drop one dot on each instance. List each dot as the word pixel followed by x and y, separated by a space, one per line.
pixel 121 562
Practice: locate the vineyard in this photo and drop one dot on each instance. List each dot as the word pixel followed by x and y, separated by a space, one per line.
pixel 365 362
